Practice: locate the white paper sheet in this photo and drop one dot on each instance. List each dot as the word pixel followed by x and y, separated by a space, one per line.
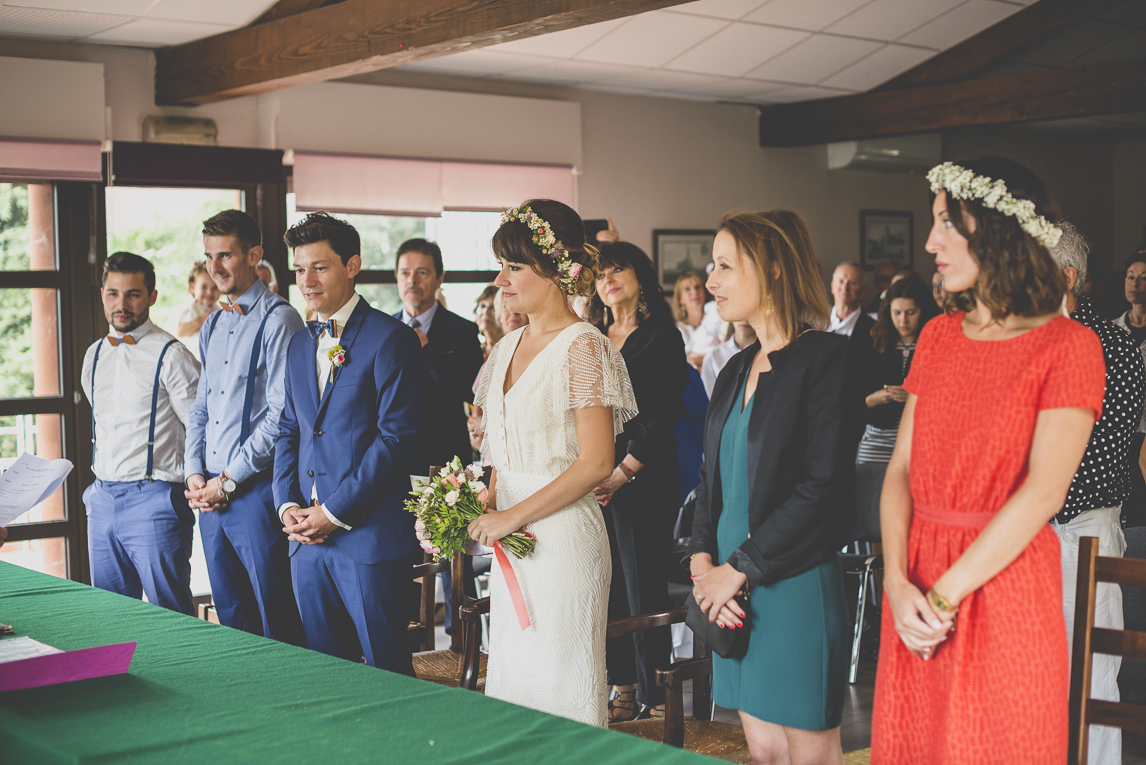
pixel 16 648
pixel 29 482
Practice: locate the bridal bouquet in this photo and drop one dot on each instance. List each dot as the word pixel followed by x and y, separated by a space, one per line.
pixel 445 506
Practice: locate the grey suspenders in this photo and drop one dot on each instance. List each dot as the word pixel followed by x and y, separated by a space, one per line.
pixel 154 407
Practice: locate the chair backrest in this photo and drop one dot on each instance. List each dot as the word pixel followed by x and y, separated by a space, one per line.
pixel 422 577
pixel 1088 640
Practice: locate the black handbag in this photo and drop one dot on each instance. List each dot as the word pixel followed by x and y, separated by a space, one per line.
pixel 729 644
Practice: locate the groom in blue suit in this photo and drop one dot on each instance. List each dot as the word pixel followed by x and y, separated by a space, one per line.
pixel 354 402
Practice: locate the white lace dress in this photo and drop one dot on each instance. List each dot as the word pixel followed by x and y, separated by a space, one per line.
pixel 557 664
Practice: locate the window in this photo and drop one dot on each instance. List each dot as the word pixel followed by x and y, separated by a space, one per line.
pixel 466 254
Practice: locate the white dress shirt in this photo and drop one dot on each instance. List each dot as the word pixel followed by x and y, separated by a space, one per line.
pixel 705 337
pixel 323 366
pixel 121 401
pixel 844 326
pixel 715 361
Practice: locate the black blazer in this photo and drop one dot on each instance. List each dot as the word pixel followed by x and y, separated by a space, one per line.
pixel 453 358
pixel 797 456
pixel 654 356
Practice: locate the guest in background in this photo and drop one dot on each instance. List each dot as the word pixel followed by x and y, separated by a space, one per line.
pixel 506 318
pixel 231 436
pixel 767 510
pixel 907 307
pixel 696 317
pixel 847 318
pixel 342 466
pixel 204 300
pixel 267 274
pixel 1094 500
pixel 938 294
pixel 485 314
pixel 140 382
pixel 641 497
pixel 453 357
pixel 741 337
pixel 1003 393
pixel 1134 322
pixel 884 274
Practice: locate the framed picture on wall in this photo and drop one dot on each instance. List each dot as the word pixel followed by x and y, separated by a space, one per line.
pixel 886 235
pixel 678 250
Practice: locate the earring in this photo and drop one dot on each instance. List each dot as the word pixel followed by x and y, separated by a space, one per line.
pixel 642 304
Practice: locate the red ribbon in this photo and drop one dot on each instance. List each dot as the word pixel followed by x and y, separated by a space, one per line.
pixel 511 583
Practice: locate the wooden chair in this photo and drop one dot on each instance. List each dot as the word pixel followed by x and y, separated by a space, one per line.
pixel 697 733
pixel 1088 640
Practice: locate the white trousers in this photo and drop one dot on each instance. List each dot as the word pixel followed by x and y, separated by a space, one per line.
pixel 1105 743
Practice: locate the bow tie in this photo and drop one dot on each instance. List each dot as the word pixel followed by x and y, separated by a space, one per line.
pixel 229 307
pixel 115 341
pixel 316 328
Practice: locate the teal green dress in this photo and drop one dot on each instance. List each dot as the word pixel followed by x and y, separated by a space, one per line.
pixel 795 671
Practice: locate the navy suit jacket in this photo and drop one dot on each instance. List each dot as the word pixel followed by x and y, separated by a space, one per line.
pixel 453 359
pixel 357 441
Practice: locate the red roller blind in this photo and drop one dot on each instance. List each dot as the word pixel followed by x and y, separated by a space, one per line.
pixel 39 159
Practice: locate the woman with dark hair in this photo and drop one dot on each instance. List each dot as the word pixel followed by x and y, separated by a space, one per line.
pixel 554 396
pixel 641 497
pixel 1002 396
pixel 768 510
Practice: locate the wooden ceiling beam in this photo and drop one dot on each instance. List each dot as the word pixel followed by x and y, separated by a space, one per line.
pixel 1032 24
pixel 358 36
pixel 1106 88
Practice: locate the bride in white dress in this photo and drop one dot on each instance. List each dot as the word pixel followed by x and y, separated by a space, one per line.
pixel 554 395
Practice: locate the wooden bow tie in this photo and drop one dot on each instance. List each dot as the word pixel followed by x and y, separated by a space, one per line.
pixel 229 307
pixel 115 341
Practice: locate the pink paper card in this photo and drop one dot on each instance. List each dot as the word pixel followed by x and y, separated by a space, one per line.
pixel 67 666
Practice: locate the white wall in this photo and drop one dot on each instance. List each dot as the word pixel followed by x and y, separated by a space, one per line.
pixel 51 99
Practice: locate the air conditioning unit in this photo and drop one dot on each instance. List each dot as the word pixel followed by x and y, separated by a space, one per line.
pixel 905 154
pixel 194 131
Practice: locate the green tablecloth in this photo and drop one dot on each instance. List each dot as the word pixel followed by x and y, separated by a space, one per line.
pixel 211 695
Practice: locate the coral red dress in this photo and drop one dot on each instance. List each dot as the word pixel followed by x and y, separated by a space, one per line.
pixel 996 690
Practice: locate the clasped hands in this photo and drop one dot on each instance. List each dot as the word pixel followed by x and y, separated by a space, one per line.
pixel 493 526
pixel 205 495
pixel 714 589
pixel 307 525
pixel 920 626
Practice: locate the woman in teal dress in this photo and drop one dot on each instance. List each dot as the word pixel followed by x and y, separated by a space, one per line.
pixel 770 504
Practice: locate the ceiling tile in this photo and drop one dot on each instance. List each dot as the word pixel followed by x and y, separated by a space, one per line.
pixel 231 12
pixel 891 19
pixel 1132 45
pixel 736 49
pixel 803 14
pixel 1075 41
pixel 122 7
pixel 879 67
pixel 960 23
pixel 60 24
pixel 804 93
pixel 565 72
pixel 720 9
pixel 651 39
pixel 564 44
pixel 663 79
pixel 476 63
pixel 814 59
pixel 155 33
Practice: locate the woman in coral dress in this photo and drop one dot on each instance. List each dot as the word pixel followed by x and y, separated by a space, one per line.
pixel 973 666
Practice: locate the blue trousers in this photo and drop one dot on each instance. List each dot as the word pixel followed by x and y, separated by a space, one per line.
pixel 247 561
pixel 139 541
pixel 353 610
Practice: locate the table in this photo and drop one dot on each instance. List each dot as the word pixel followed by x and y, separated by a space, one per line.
pixel 210 695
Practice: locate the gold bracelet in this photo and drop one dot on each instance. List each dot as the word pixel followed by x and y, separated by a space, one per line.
pixel 940 603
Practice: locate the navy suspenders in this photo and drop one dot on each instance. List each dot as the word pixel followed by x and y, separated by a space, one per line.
pixel 154 407
pixel 252 370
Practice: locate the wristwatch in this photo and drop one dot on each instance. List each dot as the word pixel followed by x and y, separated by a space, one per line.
pixel 227 483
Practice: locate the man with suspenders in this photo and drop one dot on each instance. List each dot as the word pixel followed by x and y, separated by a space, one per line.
pixel 231 436
pixel 141 382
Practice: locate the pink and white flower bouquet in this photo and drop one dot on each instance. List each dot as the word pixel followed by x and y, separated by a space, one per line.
pixel 445 506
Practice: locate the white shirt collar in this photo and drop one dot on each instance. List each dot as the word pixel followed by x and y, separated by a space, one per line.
pixel 844 326
pixel 342 315
pixel 137 333
pixel 425 318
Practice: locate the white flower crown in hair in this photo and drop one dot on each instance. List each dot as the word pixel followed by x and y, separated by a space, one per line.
pixel 961 183
pixel 543 237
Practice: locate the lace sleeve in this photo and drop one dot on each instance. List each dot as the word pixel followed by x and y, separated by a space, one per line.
pixel 598 377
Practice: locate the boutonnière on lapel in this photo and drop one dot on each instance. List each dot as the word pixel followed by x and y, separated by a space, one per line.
pixel 338 359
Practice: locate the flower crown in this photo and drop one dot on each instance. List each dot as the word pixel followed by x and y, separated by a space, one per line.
pixel 543 237
pixel 961 183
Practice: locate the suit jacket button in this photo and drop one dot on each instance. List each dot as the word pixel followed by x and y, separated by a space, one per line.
pixel 317 431
pixel 310 474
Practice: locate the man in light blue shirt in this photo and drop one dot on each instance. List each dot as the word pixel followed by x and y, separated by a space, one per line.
pixel 231 435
